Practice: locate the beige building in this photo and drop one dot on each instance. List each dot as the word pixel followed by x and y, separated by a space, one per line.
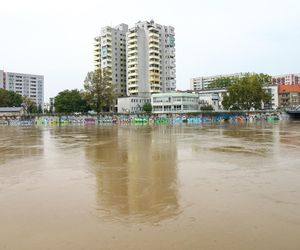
pixel 151 66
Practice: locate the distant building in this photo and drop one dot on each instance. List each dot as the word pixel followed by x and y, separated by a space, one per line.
pixel 175 103
pixel 132 104
pixel 110 54
pixel 289 96
pixel 151 65
pixel 12 111
pixel 2 80
pixel 203 82
pixel 28 85
pixel 287 79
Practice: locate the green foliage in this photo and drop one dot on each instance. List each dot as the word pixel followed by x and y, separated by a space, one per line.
pixel 29 105
pixel 247 93
pixel 99 91
pixel 10 99
pixel 222 82
pixel 147 107
pixel 69 101
pixel 207 108
pixel 40 110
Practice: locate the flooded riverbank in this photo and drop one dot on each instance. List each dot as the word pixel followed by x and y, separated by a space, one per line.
pixel 151 187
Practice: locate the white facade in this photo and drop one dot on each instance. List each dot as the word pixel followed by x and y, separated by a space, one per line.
pixel 1 79
pixel 131 104
pixel 211 99
pixel 203 82
pixel 215 95
pixel 175 103
pixel 28 85
pixel 110 54
pixel 273 91
pixel 151 66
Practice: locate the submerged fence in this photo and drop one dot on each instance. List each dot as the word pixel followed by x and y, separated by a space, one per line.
pixel 106 119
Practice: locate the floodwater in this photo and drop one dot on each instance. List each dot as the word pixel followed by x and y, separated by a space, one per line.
pixel 151 187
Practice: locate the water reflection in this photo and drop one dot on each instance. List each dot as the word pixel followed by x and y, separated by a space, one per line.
pixel 18 143
pixel 136 172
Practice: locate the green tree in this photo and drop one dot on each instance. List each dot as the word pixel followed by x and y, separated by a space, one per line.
pixel 147 107
pixel 207 107
pixel 10 99
pixel 222 82
pixel 247 93
pixel 40 110
pixel 99 90
pixel 29 105
pixel 69 101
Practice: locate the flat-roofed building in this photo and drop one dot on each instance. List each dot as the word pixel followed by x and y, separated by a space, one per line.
pixel 110 55
pixel 132 104
pixel 151 64
pixel 175 103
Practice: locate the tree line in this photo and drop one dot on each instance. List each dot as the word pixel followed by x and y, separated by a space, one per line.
pixel 244 93
pixel 12 99
pixel 98 95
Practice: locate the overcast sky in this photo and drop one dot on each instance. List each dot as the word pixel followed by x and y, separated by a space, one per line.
pixel 55 38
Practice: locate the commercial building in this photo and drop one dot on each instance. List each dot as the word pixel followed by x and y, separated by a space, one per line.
pixel 289 96
pixel 28 85
pixel 203 82
pixel 175 103
pixel 110 55
pixel 151 66
pixel 287 79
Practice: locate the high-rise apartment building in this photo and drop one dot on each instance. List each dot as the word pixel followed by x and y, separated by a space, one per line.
pixel 151 66
pixel 110 55
pixel 287 79
pixel 203 82
pixel 28 85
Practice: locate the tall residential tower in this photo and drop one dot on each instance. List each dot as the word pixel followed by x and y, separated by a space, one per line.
pixel 110 54
pixel 151 66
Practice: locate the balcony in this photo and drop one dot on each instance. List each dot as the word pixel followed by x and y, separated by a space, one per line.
pixel 133 91
pixel 132 40
pixel 133 74
pixel 133 46
pixel 157 74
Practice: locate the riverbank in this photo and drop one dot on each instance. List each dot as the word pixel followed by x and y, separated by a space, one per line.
pixel 212 117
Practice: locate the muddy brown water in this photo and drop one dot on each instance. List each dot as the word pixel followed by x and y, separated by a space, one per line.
pixel 151 187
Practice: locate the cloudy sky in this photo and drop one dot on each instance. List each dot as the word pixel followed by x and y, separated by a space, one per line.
pixel 55 38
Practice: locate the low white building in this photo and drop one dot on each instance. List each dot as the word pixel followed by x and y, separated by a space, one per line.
pixel 214 97
pixel 175 103
pixel 131 104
